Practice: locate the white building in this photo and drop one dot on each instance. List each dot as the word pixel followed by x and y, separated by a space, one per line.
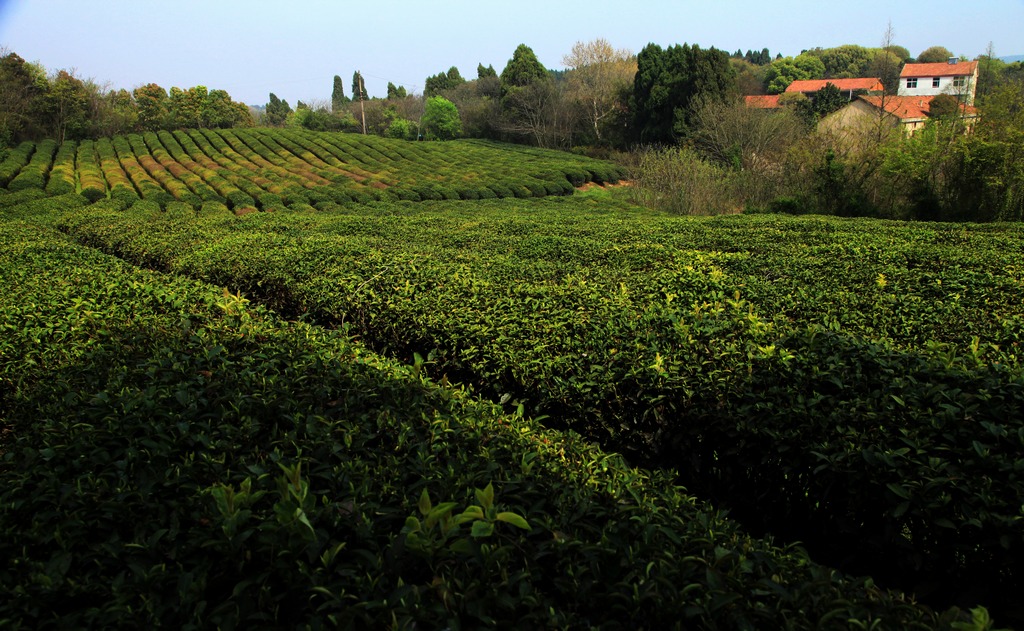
pixel 959 78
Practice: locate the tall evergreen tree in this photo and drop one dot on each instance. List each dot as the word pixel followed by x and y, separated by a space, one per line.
pixel 396 92
pixel 482 72
pixel 669 86
pixel 442 82
pixel 277 111
pixel 358 87
pixel 338 99
pixel 523 69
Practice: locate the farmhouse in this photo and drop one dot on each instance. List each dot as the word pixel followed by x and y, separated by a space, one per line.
pixel 907 113
pixel 955 77
pixel 763 101
pixel 849 87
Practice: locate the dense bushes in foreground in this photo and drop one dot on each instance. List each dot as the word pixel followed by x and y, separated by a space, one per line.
pixel 172 455
pixel 841 385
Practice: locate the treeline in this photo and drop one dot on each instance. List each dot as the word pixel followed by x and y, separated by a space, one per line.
pixel 62 106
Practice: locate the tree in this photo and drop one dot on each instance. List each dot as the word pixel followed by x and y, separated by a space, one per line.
pixel 441 119
pixel 823 102
pixel 114 112
pixel 187 106
pixel 219 111
pixel 482 72
pixel 784 71
pixel 442 82
pixel 742 137
pixel 522 69
pixel 845 61
pixel 19 91
pixel 900 52
pixel 750 78
pixel 338 99
pixel 151 100
pixel 277 111
pixel 598 74
pixel 395 93
pixel 359 87
pixel 944 106
pixel 934 55
pixel 67 107
pixel 669 86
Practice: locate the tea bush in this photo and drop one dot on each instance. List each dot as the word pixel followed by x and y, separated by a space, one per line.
pixel 174 455
pixel 764 358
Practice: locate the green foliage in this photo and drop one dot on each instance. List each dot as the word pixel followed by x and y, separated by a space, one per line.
pixel 522 69
pixel 15 160
pixel 276 111
pixel 359 87
pixel 442 82
pixel 934 55
pixel 483 73
pixel 672 84
pixel 396 92
pixel 784 71
pixel 34 174
pixel 847 61
pixel 338 98
pixel 441 119
pixel 679 181
pixel 62 173
pixel 944 106
pixel 823 102
pixel 20 95
pixel 403 129
pixel 152 102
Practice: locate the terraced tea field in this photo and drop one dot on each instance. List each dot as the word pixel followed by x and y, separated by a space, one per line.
pixel 264 169
pixel 389 444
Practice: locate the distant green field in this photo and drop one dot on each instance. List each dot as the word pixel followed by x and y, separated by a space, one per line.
pixel 852 384
pixel 267 169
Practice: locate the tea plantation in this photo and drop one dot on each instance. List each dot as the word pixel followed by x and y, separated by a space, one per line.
pixel 368 411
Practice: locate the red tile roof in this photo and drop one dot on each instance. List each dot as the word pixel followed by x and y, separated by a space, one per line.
pixel 763 101
pixel 944 69
pixel 813 85
pixel 910 107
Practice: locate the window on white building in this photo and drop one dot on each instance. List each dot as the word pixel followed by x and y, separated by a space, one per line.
pixel 935 82
pixel 959 82
pixel 912 83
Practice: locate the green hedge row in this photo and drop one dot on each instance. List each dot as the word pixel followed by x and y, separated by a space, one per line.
pixel 120 186
pixel 91 182
pixel 223 181
pixel 34 174
pixel 174 456
pixel 242 167
pixel 198 190
pixel 15 161
pixel 62 174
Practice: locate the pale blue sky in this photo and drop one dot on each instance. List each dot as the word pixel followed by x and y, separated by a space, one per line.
pixel 294 49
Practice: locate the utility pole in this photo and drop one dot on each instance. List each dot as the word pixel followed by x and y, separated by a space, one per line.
pixel 362 111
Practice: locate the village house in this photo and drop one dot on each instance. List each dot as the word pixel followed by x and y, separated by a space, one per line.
pixel 763 101
pixel 850 87
pixel 955 77
pixel 909 114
